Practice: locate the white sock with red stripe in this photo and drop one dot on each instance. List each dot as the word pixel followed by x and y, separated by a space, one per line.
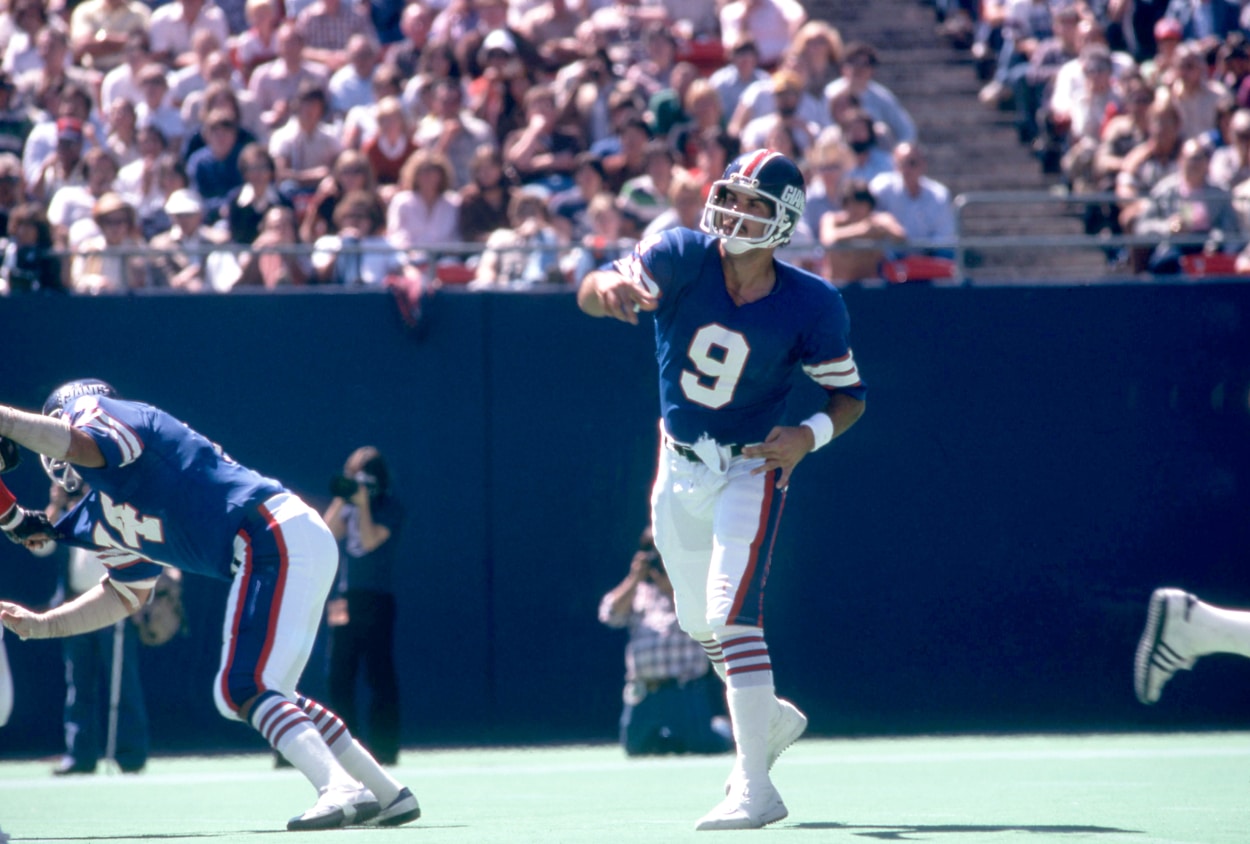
pixel 714 655
pixel 750 698
pixel 351 754
pixel 290 732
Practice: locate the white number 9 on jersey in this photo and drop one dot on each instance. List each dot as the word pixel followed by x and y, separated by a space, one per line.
pixel 720 355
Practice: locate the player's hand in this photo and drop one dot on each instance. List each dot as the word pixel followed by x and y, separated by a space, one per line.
pixel 30 528
pixel 23 622
pixel 623 299
pixel 782 449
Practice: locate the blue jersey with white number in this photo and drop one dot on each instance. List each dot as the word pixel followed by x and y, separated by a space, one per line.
pixel 725 369
pixel 166 494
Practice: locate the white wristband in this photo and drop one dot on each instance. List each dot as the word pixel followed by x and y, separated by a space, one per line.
pixel 821 427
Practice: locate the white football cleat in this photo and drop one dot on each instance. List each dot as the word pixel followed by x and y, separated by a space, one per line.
pixel 787 724
pixel 1165 646
pixel 337 807
pixel 403 809
pixel 747 807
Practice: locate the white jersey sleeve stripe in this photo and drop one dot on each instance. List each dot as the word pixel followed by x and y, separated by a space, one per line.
pixel 127 440
pixel 841 372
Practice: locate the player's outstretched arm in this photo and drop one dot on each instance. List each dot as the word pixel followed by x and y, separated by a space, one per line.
pixel 608 293
pixel 49 436
pixel 103 605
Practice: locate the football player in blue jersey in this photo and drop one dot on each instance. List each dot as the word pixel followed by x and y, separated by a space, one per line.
pixel 162 494
pixel 732 323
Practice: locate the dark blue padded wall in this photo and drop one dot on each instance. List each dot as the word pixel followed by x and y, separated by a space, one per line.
pixel 975 555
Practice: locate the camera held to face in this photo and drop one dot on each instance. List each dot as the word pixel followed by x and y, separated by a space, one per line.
pixel 345 487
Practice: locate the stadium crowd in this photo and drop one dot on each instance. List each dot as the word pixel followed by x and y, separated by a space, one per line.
pixel 205 145
pixel 1144 103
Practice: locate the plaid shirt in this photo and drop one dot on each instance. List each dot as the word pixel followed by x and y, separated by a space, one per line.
pixel 658 649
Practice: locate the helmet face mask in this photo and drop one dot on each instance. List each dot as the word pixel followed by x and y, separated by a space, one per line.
pixel 764 174
pixel 62 472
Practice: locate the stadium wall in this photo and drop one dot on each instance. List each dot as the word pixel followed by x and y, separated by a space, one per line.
pixel 975 555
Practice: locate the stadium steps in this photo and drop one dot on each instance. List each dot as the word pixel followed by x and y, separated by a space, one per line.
pixel 971 147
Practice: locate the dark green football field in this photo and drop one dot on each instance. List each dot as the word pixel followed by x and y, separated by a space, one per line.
pixel 1107 789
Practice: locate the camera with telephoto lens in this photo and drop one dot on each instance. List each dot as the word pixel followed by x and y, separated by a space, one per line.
pixel 345 487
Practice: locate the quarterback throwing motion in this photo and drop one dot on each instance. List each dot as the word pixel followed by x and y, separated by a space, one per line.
pixel 162 494
pixel 732 323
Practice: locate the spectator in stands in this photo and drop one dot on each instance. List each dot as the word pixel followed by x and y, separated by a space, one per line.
pixel 594 100
pixel 1159 69
pixel 920 204
pixel 771 24
pixel 213 170
pixel 1010 29
pixel 1205 19
pixel 784 89
pixel 631 161
pixel 542 152
pixel 181 254
pixel 173 24
pixel 1195 96
pixel 98 30
pixel 654 73
pixel 703 111
pixel 259 42
pixel 550 22
pixel 277 83
pixel 786 116
pixel 272 261
pixel 305 147
pixel 65 165
pixel 716 149
pixel 389 147
pixel 567 209
pixel 858 68
pixel 352 84
pixel 16 118
pixel 1187 206
pixel 137 179
pixel 73 103
pixel 92 271
pixel 1031 81
pixel 857 220
pixel 122 82
pixel 185 81
pixel 645 197
pixel 122 139
pixel 327 25
pixel 154 109
pixel 1145 165
pixel 249 203
pixel 42 87
pixel 425 210
pixel 484 200
pixel 26 18
pixel 1230 164
pixel 869 159
pixel 500 97
pixel 352 172
pixel 816 55
pixel 604 242
pixel 667 107
pixel 825 167
pixel 219 97
pixel 526 251
pixel 742 70
pixel 414 23
pixel 452 130
pixel 685 207
pixel 361 122
pixel 11 194
pixel 624 104
pixel 30 263
pixel 358 253
pixel 70 209
pixel 1075 115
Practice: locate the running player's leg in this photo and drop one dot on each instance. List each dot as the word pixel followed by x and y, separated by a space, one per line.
pixel 272 614
pixel 745 523
pixel 1180 628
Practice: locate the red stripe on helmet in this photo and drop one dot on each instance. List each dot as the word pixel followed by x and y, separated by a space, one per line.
pixel 757 162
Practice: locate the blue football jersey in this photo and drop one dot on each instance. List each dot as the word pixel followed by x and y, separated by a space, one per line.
pixel 725 369
pixel 166 494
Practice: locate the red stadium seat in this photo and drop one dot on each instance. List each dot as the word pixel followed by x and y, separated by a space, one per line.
pixel 1217 263
pixel 454 273
pixel 917 268
pixel 707 55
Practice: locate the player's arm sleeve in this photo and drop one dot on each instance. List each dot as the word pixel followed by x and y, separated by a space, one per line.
pixel 828 358
pixel 111 430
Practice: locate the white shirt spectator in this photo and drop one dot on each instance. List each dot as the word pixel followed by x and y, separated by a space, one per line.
pixel 119 84
pixel 730 85
pixel 169 33
pixel 411 222
pixel 376 260
pixel 880 102
pixel 349 89
pixel 758 99
pixel 304 152
pixel 928 215
pixel 771 24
